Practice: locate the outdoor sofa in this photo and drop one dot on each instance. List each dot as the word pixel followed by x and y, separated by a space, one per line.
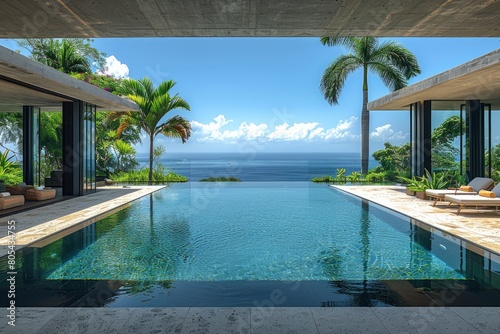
pixel 40 194
pixel 19 189
pixel 483 199
pixel 472 188
pixel 8 201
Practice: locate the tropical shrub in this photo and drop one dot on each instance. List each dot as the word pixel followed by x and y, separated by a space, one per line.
pixel 340 175
pixel 221 179
pixel 375 177
pixel 326 178
pixel 10 171
pixel 142 175
pixel 354 177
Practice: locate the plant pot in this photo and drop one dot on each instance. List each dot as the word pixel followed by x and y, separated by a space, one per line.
pixel 421 194
pixel 410 192
pixel 2 186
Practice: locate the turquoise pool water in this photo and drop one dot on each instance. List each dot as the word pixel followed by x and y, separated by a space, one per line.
pixel 253 244
pixel 255 232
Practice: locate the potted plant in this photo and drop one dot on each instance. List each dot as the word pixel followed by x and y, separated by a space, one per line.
pixel 412 185
pixel 418 185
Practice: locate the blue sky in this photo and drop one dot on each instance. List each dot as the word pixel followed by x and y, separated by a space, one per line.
pixel 264 92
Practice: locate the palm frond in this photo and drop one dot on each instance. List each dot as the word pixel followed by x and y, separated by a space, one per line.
pixel 335 75
pixel 176 127
pixel 348 42
pixel 397 55
pixel 389 74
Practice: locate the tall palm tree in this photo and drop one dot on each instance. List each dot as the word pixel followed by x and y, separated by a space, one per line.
pixel 154 104
pixel 393 63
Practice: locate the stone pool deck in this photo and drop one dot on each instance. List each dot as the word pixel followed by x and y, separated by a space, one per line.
pixel 48 222
pixel 480 227
pixel 38 225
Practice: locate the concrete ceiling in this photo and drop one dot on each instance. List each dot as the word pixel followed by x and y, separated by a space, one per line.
pixel 478 79
pixel 27 82
pixel 152 18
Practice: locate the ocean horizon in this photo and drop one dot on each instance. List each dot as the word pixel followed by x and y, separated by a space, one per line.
pixel 263 166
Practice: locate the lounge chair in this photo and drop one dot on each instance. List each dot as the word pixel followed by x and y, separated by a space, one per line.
pixel 476 200
pixel 478 183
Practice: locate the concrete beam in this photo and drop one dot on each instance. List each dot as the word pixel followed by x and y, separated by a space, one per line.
pixel 23 80
pixel 478 79
pixel 151 18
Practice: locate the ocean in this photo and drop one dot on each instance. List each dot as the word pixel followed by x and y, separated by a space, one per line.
pixel 260 166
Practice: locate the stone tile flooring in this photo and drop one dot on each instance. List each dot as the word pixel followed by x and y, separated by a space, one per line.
pixel 300 320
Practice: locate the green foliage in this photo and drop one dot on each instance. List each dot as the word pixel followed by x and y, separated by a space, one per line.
pixel 354 177
pixel 142 175
pixel 447 131
pixel 442 137
pixel 10 171
pixel 221 179
pixel 428 181
pixel 340 175
pixel 375 177
pixel 106 82
pixel 154 103
pixel 69 55
pixel 106 137
pixel 394 158
pixel 50 143
pixel 327 178
pixel 495 162
pixel 11 124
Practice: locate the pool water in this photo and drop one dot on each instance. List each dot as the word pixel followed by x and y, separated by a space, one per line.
pixel 221 244
pixel 247 232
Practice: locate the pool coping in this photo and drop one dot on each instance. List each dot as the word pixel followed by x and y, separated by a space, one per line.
pixel 477 227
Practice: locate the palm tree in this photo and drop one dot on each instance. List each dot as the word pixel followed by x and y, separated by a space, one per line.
pixel 390 60
pixel 154 104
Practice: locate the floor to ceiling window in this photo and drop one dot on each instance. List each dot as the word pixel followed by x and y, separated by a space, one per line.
pixel 89 120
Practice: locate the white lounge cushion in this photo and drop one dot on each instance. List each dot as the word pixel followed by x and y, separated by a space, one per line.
pixel 472 200
pixel 443 192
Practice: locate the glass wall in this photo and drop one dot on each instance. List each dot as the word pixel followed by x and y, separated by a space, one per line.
pixel 89 121
pixel 448 137
pixel 35 132
pixel 492 142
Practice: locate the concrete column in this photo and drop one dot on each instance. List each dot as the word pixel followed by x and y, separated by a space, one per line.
pixel 28 149
pixel 73 148
pixel 420 132
pixel 475 138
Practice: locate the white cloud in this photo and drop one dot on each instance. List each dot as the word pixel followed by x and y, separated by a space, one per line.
pixel 115 68
pixel 298 131
pixel 341 131
pixel 215 132
pixel 385 133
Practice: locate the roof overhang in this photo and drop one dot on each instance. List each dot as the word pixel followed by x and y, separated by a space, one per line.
pixel 478 79
pixel 139 18
pixel 24 81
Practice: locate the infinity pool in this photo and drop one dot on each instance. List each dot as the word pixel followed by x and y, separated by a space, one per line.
pixel 228 244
